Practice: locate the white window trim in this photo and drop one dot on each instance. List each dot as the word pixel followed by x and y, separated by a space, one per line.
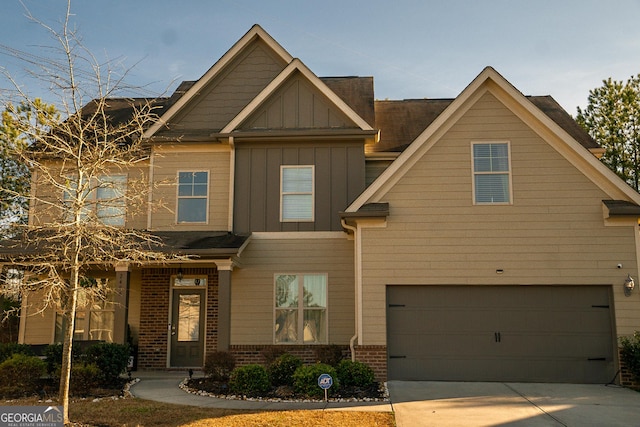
pixel 474 173
pixel 178 197
pixel 313 192
pixel 300 308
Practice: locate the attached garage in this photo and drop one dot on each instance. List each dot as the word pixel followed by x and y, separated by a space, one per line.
pixel 500 333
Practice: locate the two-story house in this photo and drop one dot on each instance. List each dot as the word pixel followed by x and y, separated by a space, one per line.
pixel 475 238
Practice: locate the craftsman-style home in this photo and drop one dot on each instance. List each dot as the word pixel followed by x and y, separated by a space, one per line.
pixel 476 238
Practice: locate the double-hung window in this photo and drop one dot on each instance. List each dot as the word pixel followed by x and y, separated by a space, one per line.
pixel 491 173
pixel 193 196
pixel 301 309
pixel 95 315
pixel 296 193
pixel 103 197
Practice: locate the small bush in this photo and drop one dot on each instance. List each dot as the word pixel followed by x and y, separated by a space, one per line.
pixel 84 377
pixel 282 369
pixel 355 374
pixel 9 349
pixel 111 360
pixel 20 375
pixel 630 354
pixel 305 379
pixel 329 354
pixel 249 380
pixel 218 365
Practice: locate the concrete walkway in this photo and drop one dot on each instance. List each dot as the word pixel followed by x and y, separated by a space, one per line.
pixel 449 404
pixel 445 404
pixel 163 387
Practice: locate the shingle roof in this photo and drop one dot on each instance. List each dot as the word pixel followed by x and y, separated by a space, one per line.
pixel 400 122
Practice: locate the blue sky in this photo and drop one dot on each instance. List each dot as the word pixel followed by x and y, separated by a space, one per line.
pixel 412 48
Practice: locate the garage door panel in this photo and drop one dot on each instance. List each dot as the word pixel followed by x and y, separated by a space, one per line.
pixel 500 333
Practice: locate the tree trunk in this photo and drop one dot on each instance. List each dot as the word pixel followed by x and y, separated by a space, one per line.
pixel 69 314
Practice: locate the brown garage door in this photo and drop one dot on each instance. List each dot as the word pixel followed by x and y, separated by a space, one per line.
pixel 500 333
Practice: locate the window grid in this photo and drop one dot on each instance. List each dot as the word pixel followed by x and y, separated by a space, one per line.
pixel 192 197
pixel 104 197
pixel 300 320
pixel 297 193
pixel 491 172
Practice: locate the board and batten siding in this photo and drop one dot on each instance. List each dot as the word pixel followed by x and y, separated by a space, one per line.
pixel 253 283
pixel 339 179
pixel 232 90
pixel 168 161
pixel 552 234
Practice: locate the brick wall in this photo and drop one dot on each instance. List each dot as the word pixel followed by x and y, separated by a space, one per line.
pixel 154 314
pixel 260 354
pixel 626 377
pixel 376 357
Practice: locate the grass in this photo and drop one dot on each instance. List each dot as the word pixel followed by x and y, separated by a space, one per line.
pixel 137 412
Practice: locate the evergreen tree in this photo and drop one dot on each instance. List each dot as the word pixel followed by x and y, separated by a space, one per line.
pixel 612 119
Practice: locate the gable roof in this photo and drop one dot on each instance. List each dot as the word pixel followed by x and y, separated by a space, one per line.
pixel 489 80
pixel 295 66
pixel 256 32
pixel 402 121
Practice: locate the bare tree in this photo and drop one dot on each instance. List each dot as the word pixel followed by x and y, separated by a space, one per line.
pixel 89 178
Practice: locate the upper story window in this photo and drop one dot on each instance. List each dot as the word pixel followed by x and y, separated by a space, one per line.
pixel 296 193
pixel 301 309
pixel 103 197
pixel 193 196
pixel 491 173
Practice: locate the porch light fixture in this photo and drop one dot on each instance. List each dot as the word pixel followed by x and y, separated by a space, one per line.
pixel 180 275
pixel 629 284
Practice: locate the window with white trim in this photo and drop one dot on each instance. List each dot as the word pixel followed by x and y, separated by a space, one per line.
pixel 95 315
pixel 296 193
pixel 103 197
pixel 301 309
pixel 193 196
pixel 491 173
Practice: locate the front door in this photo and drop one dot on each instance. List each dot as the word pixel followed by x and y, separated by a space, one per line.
pixel 187 327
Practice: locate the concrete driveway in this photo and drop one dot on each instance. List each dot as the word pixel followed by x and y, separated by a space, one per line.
pixel 443 404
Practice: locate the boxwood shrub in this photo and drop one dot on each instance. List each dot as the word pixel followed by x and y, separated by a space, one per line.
pixel 20 375
pixel 305 380
pixel 281 370
pixel 630 354
pixel 355 374
pixel 250 380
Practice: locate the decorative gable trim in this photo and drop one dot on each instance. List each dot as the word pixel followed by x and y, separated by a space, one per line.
pixel 294 66
pixel 489 80
pixel 256 32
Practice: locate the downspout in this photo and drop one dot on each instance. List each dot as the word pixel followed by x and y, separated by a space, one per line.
pixel 357 280
pixel 150 195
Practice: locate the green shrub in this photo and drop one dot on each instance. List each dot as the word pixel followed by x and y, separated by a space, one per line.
pixel 20 375
pixel 329 354
pixel 630 354
pixel 53 358
pixel 84 377
pixel 9 349
pixel 355 374
pixel 218 365
pixel 111 359
pixel 305 379
pixel 250 380
pixel 282 369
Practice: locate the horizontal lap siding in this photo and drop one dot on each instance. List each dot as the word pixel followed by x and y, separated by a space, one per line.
pixel 216 160
pixel 252 287
pixel 38 324
pixel 553 233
